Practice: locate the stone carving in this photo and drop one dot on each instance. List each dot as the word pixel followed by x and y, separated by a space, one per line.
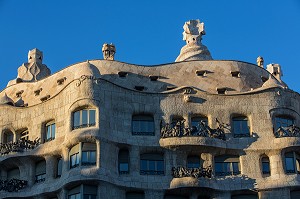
pixel 109 51
pixel 86 77
pixel 194 49
pixel 290 131
pixel 177 129
pixel 260 61
pixel 18 146
pixel 180 172
pixel 12 185
pixel 32 71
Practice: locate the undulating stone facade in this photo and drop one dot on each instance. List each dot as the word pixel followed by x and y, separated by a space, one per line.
pixel 197 128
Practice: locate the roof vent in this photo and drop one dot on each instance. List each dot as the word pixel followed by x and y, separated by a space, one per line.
pixel 139 88
pixel 153 78
pixel 264 79
pixel 45 98
pixel 201 73
pixel 37 92
pixel 61 81
pixel 222 91
pixel 122 74
pixel 171 87
pixel 235 73
pixel 19 93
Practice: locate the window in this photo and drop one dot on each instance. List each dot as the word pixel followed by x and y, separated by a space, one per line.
pixel 40 171
pixel 83 154
pixel 59 167
pixel 142 125
pixel 135 195
pixel 265 165
pixel 292 161
pixel 227 165
pixel 50 132
pixel 193 162
pixel 123 158
pixel 13 174
pixel 8 136
pixel 283 121
pixel 83 192
pixel 24 135
pixel 240 127
pixel 196 122
pixel 84 118
pixel 152 164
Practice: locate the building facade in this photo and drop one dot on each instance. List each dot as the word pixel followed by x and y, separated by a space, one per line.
pixel 197 128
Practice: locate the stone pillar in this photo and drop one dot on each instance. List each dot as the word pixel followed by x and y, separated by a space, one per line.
pixel 154 194
pixel 62 194
pixel 51 167
pixel 276 165
pixel 134 164
pixel 30 172
pixel 65 158
pixel 98 162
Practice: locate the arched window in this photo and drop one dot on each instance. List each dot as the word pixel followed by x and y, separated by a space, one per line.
pixel 84 118
pixel 83 154
pixel 142 125
pixel 13 174
pixel 59 167
pixel 292 161
pixel 152 164
pixel 8 136
pixel 123 159
pixel 265 165
pixel 197 120
pixel 40 171
pixel 135 195
pixel 227 165
pixel 283 121
pixel 193 161
pixel 50 131
pixel 240 127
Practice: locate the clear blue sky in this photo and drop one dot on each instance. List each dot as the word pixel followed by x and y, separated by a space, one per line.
pixel 148 32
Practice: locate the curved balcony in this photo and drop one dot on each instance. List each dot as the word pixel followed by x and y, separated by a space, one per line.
pixel 18 146
pixel 290 131
pixel 12 185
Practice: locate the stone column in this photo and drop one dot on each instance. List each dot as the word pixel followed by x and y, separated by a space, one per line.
pixel 62 194
pixel 65 158
pixel 276 164
pixel 51 167
pixel 30 172
pixel 98 162
pixel 134 164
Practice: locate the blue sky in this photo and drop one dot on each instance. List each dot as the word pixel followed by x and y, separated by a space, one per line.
pixel 148 32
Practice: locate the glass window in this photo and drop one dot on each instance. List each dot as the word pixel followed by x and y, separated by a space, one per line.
pixel 84 118
pixel 193 162
pixel 59 167
pixel 75 196
pixel 74 160
pixel 283 121
pixel 123 161
pixel 292 161
pixel 89 196
pixel 152 164
pixel 142 125
pixel 265 165
pixel 83 154
pixel 40 171
pixel 50 132
pixel 88 158
pixel 8 136
pixel 227 165
pixel 240 127
pixel 197 120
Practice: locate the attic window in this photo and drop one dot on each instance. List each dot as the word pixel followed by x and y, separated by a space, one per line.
pixel 122 74
pixel 201 73
pixel 221 91
pixel 235 73
pixel 45 98
pixel 61 81
pixel 264 79
pixel 19 80
pixel 153 78
pixel 139 88
pixel 19 93
pixel 37 92
pixel 171 87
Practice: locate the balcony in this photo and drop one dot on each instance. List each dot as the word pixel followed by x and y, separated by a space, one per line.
pixel 12 185
pixel 290 131
pixel 181 172
pixel 18 146
pixel 178 129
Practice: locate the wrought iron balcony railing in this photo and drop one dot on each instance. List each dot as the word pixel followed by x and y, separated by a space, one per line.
pixel 18 146
pixel 12 185
pixel 180 172
pixel 290 131
pixel 178 129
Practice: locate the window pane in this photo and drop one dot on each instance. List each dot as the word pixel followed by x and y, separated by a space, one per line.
pixel 48 132
pixel 289 165
pixel 235 167
pixel 84 117
pixel 266 167
pixel 85 156
pixel 160 167
pixel 93 156
pixel 59 167
pixel 53 130
pixel 144 165
pixel 76 119
pixel 92 117
pixel 124 167
pixel 151 165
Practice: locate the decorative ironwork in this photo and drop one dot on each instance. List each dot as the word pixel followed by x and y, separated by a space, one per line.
pixel 180 172
pixel 12 185
pixel 85 77
pixel 18 146
pixel 143 133
pixel 290 131
pixel 151 172
pixel 177 129
pixel 84 126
